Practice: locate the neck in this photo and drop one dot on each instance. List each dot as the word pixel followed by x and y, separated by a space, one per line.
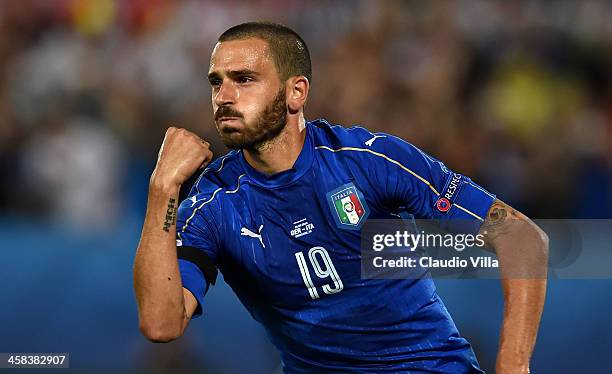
pixel 280 153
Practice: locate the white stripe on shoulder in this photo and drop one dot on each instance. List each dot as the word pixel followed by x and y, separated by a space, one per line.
pixel 385 157
pixel 200 207
pixel 389 159
pixel 208 201
pixel 238 186
pixel 208 169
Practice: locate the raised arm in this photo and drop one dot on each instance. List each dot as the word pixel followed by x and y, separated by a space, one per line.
pixel 164 306
pixel 522 250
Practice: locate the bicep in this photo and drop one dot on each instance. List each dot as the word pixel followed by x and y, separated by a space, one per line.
pixel 197 251
pixel 425 187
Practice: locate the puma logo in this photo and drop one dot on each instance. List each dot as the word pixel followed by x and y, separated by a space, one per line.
pixel 371 141
pixel 246 232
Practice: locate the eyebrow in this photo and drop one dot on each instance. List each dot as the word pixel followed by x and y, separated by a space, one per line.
pixel 234 73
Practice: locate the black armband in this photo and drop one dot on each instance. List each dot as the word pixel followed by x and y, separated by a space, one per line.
pixel 201 260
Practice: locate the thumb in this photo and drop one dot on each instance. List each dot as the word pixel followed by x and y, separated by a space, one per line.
pixel 205 163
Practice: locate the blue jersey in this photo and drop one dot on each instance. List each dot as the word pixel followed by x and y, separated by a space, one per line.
pixel 291 253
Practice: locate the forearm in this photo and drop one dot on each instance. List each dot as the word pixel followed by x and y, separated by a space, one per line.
pixel 523 303
pixel 523 256
pixel 522 250
pixel 157 280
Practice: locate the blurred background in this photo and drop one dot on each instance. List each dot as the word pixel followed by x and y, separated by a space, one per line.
pixel 517 95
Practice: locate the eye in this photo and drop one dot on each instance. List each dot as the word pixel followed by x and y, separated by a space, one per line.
pixel 215 82
pixel 244 79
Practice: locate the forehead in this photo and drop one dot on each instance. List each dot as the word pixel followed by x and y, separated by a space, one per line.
pixel 252 54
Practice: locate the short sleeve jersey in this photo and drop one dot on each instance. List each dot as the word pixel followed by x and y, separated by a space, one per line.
pixel 289 246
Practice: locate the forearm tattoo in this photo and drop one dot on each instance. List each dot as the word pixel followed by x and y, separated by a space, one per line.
pixel 170 219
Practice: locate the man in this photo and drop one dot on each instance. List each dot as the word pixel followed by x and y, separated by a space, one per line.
pixel 305 286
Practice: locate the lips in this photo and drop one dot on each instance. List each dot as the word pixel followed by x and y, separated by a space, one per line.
pixel 229 124
pixel 222 119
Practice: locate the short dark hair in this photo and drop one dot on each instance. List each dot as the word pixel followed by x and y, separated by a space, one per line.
pixel 288 49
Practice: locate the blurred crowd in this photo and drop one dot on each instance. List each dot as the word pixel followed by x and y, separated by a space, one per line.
pixel 517 94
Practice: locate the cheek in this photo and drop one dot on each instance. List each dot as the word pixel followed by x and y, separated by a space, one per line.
pixel 253 109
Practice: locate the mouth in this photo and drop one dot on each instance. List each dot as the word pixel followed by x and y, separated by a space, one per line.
pixel 229 125
pixel 227 119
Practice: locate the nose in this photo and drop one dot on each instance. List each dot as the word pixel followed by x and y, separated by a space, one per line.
pixel 226 94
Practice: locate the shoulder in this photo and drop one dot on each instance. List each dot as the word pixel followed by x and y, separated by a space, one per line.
pixel 357 140
pixel 221 174
pixel 336 136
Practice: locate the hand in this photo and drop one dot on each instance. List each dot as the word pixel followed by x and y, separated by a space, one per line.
pixel 182 153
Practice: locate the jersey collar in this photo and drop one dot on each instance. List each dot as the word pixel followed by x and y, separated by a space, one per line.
pixel 301 166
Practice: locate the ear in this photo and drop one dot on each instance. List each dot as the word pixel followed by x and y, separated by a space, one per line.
pixel 297 93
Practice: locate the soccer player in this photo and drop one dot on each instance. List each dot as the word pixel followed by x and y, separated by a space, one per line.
pixel 280 217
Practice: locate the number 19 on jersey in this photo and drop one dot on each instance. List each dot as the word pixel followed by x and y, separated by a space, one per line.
pixel 323 268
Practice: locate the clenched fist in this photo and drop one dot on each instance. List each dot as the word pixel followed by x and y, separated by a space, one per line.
pixel 182 153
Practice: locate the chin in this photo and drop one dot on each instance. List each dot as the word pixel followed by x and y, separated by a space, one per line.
pixel 233 140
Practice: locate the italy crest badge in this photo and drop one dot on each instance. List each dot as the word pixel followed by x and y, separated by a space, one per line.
pixel 348 206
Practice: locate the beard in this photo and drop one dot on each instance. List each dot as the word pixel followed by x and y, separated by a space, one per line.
pixel 266 126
